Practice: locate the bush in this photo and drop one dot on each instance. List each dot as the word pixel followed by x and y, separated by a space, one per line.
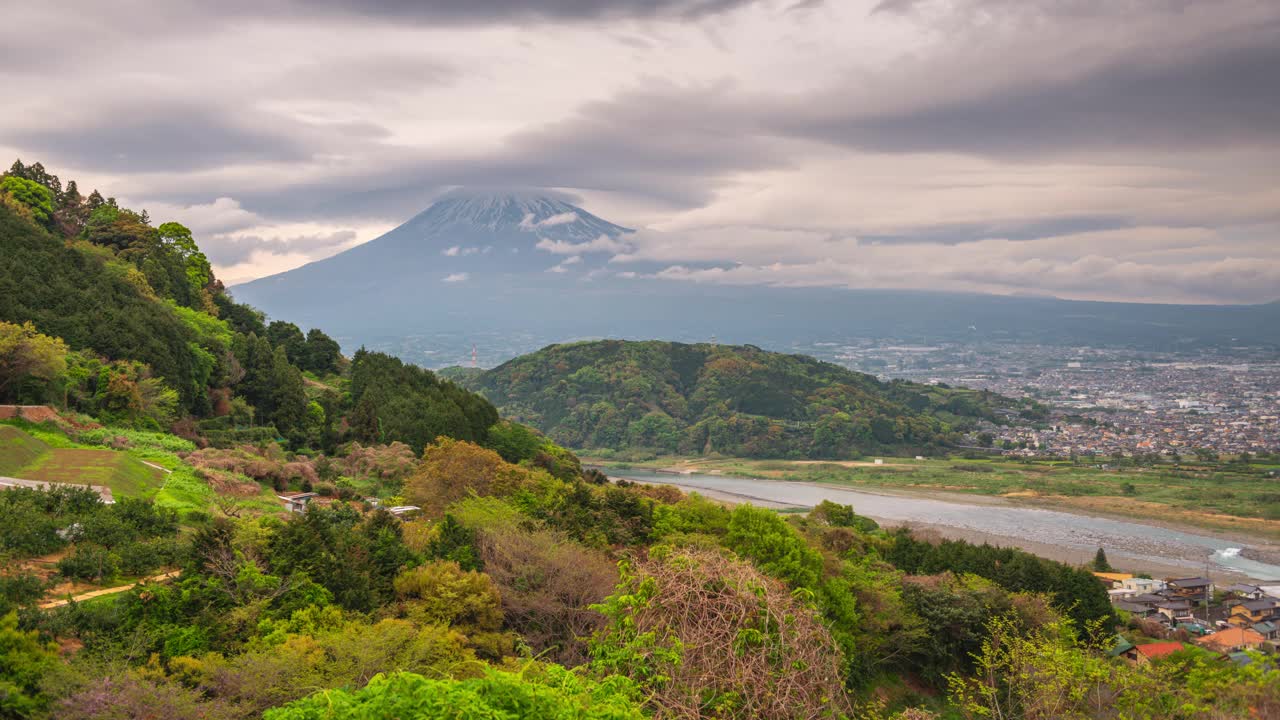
pixel 553 694
pixel 709 636
pixel 547 584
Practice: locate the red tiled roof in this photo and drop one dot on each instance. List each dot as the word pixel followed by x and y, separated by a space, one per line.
pixel 1155 650
pixel 1232 638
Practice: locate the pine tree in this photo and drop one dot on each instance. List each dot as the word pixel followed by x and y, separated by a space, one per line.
pixel 1100 563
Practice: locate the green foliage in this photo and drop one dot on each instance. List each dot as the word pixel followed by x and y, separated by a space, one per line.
pixel 763 537
pixel 551 693
pixel 357 559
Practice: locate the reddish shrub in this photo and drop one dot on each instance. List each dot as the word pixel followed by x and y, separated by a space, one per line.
pixel 547 583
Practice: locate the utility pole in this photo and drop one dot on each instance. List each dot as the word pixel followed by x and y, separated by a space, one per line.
pixel 475 363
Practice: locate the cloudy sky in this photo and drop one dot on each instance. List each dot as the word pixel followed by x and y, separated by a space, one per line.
pixel 1127 149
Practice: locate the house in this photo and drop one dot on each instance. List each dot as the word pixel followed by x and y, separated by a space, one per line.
pixel 1135 609
pixel 1231 640
pixel 1147 599
pixel 1113 579
pixel 1176 610
pixel 1255 611
pixel 403 511
pixel 296 502
pixel 1121 648
pixel 1151 651
pixel 1268 630
pixel 1142 585
pixel 1193 587
pixel 1242 591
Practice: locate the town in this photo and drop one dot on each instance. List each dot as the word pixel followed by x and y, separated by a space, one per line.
pixel 1165 615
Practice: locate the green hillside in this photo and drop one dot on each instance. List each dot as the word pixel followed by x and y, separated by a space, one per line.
pixel 733 400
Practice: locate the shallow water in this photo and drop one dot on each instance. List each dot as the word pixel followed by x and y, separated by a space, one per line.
pixel 1070 531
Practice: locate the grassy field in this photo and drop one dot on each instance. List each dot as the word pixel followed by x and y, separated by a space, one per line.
pixel 1207 496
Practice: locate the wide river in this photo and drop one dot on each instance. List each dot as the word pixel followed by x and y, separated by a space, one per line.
pixel 1001 522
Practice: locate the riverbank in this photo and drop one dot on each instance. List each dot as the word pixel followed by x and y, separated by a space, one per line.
pixel 1164 549
pixel 1184 500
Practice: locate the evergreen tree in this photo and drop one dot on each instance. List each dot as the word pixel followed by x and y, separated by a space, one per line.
pixel 1100 563
pixel 288 394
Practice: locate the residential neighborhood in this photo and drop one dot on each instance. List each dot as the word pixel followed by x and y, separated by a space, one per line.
pixel 1175 612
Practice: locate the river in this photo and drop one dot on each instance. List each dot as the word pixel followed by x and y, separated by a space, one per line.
pixel 1070 536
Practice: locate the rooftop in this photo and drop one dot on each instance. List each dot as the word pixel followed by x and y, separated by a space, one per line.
pixel 1160 649
pixel 1231 638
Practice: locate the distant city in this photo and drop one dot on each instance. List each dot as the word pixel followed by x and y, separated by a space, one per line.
pixel 1104 401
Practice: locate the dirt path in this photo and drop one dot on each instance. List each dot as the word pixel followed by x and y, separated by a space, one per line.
pixel 107 591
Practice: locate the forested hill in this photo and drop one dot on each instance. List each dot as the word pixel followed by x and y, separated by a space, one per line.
pixel 734 400
pixel 105 314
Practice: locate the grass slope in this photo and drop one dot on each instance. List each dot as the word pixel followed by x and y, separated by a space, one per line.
pixel 18 450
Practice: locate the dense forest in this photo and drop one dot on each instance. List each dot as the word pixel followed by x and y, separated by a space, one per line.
pixel 742 401
pixel 448 563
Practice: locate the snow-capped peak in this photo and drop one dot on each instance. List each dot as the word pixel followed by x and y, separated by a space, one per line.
pixel 541 213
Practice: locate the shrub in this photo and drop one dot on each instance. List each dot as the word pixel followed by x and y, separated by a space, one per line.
pixel 709 636
pixel 553 694
pixel 547 584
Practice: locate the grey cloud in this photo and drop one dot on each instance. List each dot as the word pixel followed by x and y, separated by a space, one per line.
pixel 166 135
pixel 668 144
pixel 510 11
pixel 233 249
pixel 1224 97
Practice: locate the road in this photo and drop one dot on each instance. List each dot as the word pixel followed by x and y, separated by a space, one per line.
pixel 107 591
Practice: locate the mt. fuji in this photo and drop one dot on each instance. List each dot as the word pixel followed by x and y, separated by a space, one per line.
pixel 513 271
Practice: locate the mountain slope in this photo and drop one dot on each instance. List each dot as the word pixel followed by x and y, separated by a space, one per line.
pixel 733 400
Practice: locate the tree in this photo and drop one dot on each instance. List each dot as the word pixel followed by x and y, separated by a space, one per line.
pixel 287 335
pixel 33 196
pixel 1100 563
pixel 288 394
pixel 322 352
pixel 453 469
pixel 24 662
pixel 25 352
